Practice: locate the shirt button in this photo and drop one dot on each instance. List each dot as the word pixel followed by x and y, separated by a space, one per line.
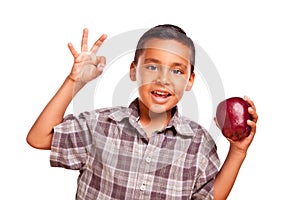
pixel 148 159
pixel 143 187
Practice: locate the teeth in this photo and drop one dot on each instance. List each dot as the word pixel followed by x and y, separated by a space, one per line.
pixel 161 93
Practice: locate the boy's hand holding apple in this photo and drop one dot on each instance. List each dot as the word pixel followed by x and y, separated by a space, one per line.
pixel 236 117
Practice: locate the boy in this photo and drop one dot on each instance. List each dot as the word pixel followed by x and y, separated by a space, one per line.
pixel 145 151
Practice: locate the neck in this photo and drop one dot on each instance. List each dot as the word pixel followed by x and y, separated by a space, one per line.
pixel 151 121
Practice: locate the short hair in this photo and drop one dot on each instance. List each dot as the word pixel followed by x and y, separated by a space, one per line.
pixel 166 32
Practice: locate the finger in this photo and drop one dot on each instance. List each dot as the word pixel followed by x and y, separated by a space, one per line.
pixel 250 102
pixel 98 43
pixel 252 124
pixel 84 41
pixel 230 140
pixel 216 122
pixel 101 65
pixel 253 114
pixel 252 109
pixel 72 49
pixel 101 60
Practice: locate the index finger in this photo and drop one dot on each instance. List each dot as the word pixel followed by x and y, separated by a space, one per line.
pixel 98 43
pixel 250 102
pixel 252 109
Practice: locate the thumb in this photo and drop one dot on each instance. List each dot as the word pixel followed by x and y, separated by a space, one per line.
pixel 216 122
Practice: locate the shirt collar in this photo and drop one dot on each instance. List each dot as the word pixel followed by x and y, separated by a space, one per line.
pixel 120 113
pixel 181 124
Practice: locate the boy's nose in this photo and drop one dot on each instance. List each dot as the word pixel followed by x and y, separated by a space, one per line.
pixel 163 76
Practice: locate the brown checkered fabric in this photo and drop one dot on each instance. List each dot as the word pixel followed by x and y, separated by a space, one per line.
pixel 117 161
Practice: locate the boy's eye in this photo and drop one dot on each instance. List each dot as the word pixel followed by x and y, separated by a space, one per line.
pixel 177 71
pixel 152 67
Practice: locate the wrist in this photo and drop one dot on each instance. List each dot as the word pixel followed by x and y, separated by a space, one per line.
pixel 233 150
pixel 74 84
pixel 71 79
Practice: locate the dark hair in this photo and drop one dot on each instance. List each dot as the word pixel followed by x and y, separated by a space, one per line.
pixel 166 32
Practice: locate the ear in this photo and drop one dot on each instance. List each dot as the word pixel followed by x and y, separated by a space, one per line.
pixel 190 82
pixel 132 72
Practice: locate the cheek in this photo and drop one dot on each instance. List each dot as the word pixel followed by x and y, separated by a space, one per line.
pixel 180 83
pixel 143 78
pixel 180 88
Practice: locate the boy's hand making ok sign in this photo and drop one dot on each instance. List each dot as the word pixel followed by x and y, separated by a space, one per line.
pixel 87 65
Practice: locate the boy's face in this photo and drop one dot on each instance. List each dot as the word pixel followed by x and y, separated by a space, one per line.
pixel 163 73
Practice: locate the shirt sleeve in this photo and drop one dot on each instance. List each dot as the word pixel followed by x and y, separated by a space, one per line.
pixel 71 142
pixel 209 166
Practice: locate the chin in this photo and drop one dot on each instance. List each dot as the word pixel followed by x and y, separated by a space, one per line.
pixel 159 109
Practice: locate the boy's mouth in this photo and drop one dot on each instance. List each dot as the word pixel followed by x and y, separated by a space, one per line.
pixel 160 94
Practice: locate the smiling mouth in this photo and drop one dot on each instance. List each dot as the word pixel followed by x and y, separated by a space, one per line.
pixel 161 94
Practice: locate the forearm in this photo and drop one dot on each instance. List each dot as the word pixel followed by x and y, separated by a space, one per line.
pixel 227 175
pixel 40 135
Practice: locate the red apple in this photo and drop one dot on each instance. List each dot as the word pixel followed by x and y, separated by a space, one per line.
pixel 232 115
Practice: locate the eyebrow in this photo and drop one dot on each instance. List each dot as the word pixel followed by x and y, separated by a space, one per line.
pixel 153 60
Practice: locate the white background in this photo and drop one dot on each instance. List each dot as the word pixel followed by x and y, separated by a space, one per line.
pixel 255 46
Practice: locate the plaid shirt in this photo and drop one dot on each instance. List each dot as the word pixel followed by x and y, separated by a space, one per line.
pixel 117 161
